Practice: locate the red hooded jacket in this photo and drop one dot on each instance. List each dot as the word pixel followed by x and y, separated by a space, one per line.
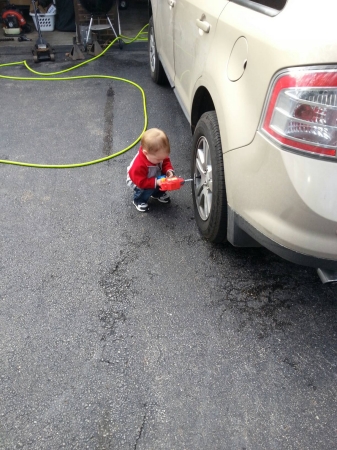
pixel 143 174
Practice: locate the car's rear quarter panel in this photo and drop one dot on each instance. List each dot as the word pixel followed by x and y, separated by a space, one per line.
pixel 289 198
pixel 296 36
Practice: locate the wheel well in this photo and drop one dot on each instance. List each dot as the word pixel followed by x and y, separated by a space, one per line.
pixel 202 103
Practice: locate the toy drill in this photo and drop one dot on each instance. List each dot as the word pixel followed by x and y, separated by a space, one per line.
pixel 172 184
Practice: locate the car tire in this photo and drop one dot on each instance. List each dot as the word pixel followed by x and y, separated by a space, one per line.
pixel 208 187
pixel 157 72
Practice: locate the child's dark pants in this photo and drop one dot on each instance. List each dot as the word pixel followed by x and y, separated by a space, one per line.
pixel 142 195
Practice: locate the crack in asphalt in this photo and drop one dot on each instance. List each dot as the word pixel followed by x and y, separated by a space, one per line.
pixel 117 287
pixel 140 430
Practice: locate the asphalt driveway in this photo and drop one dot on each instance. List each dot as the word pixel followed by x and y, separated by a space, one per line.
pixel 122 330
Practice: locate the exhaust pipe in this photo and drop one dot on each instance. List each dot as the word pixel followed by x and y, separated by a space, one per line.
pixel 327 276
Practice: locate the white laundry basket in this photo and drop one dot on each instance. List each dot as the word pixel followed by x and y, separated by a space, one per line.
pixel 46 21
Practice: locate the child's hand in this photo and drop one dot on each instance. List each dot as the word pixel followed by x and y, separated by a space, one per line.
pixel 169 174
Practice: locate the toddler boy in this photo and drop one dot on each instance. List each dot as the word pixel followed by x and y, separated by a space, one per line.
pixel 151 161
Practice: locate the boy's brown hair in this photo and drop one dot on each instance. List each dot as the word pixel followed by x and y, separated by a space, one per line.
pixel 155 139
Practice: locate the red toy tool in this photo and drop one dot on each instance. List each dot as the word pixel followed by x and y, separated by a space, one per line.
pixel 172 184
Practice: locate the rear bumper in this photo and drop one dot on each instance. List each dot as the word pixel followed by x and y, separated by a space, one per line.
pixel 286 202
pixel 242 233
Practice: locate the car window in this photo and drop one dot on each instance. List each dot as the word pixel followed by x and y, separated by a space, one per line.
pixel 275 4
pixel 269 7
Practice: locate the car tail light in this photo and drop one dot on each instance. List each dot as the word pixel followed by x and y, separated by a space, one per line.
pixel 301 111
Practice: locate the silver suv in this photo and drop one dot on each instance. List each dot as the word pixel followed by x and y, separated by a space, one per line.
pixel 257 81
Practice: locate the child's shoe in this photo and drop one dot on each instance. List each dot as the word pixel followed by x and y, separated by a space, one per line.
pixel 163 198
pixel 142 207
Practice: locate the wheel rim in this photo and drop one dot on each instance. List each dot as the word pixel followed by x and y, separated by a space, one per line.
pixel 203 179
pixel 152 51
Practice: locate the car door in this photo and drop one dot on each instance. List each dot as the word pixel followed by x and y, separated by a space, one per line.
pixel 195 22
pixel 164 20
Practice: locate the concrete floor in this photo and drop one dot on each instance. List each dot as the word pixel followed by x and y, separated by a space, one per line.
pixel 131 19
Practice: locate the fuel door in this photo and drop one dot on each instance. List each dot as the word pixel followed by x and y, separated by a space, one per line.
pixel 237 62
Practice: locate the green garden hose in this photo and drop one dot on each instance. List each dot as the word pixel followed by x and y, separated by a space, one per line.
pixel 51 77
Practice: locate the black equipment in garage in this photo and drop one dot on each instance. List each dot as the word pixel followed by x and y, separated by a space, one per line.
pixel 65 16
pixel 41 50
pixel 99 8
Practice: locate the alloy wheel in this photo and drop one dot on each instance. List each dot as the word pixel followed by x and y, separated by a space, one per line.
pixel 152 52
pixel 203 178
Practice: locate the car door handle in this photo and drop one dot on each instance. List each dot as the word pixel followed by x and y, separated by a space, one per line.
pixel 171 3
pixel 203 25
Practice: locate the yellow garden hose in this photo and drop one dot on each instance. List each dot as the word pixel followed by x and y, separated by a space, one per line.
pixel 51 77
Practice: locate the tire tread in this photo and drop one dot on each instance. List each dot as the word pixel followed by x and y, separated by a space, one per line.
pixel 158 75
pixel 214 228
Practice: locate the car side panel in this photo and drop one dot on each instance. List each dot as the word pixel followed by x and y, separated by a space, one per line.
pixel 163 15
pixel 192 44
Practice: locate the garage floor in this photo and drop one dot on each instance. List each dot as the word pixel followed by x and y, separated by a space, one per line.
pixel 132 20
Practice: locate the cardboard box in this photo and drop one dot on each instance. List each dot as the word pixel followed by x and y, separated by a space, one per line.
pixel 40 8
